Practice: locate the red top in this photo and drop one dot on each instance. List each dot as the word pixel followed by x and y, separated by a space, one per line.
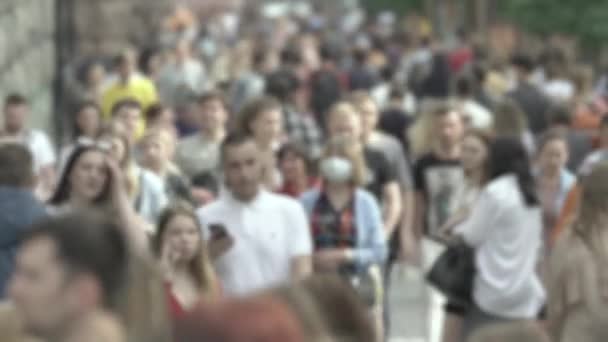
pixel 175 308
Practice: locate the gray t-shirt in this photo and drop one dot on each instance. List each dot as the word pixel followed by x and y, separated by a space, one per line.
pixel 196 154
pixel 394 154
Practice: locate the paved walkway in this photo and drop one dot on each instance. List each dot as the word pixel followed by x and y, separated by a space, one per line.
pixel 408 300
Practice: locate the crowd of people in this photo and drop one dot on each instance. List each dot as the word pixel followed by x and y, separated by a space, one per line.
pixel 258 182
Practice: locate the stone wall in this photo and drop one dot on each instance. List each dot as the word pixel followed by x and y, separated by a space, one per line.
pixel 27 54
pixel 105 27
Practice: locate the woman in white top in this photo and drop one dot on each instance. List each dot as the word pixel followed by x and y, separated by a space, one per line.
pixel 505 228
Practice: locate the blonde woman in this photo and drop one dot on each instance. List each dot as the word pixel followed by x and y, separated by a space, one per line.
pixel 578 286
pixel 346 222
pixel 180 247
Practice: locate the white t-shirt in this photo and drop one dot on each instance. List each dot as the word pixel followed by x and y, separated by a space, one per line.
pixel 40 147
pixel 507 237
pixel 268 233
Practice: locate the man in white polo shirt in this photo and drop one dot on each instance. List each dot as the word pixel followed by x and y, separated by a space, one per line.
pixel 258 239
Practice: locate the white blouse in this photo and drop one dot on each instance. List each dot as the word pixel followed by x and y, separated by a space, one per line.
pixel 507 237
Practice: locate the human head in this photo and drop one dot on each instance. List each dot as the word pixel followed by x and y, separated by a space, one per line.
pixel 85 177
pixel 560 116
pixel 523 64
pixel 16 110
pixel 119 144
pixel 159 116
pixel 95 73
pixel 126 64
pixel 294 162
pixel 87 120
pixel 343 120
pixel 17 165
pixel 553 152
pixel 448 126
pixel 242 167
pixel 282 85
pixel 213 112
pixel 179 228
pixel 68 266
pixel 509 118
pixel 128 112
pixel 508 156
pixel 150 61
pixel 475 152
pixel 464 87
pixel 158 147
pixel 368 111
pixel 341 148
pixel 345 316
pixel 260 318
pixel 262 118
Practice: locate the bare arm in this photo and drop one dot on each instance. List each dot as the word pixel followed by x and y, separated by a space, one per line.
pixel 392 207
pixel 301 267
pixel 407 234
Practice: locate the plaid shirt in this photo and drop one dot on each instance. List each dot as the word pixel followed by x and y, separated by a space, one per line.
pixel 303 130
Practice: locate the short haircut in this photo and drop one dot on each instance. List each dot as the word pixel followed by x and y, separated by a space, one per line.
pixel 128 103
pixel 232 140
pixel 17 165
pixel 15 99
pixel 300 152
pixel 253 109
pixel 282 84
pixel 90 243
pixel 524 62
pixel 154 112
pixel 212 95
pixel 560 115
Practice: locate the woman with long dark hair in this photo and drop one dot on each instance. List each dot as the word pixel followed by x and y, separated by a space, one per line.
pixel 505 229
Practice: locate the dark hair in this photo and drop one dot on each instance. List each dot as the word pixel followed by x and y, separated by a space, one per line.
pixel 234 139
pixel 464 86
pixel 300 152
pixel 90 243
pixel 560 115
pixel 253 109
pixel 282 84
pixel 17 165
pixel 523 62
pixel 154 112
pixel 14 99
pixel 79 108
pixel 62 191
pixel 128 103
pixel 146 56
pixel 508 156
pixel 212 95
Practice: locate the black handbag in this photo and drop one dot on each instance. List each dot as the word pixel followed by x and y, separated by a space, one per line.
pixel 453 272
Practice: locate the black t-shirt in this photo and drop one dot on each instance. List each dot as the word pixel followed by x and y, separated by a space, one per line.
pixel 395 122
pixel 438 180
pixel 379 173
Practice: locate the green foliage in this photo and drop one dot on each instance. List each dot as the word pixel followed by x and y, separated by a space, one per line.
pixel 587 19
pixel 399 6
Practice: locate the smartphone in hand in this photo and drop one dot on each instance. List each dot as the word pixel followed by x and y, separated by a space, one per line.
pixel 220 241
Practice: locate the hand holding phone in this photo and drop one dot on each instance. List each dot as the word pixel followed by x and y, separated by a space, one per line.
pixel 220 241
